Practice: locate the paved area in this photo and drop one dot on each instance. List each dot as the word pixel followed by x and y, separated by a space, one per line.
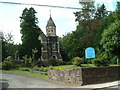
pixel 104 86
pixel 21 81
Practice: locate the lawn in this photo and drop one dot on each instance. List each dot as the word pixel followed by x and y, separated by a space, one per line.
pixel 72 66
pixel 25 70
pixel 25 73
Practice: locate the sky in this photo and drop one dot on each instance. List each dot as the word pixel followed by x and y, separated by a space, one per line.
pixel 63 18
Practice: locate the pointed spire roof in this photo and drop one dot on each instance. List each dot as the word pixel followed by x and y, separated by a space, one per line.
pixel 50 22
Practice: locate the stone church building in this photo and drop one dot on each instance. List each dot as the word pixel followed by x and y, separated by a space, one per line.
pixel 50 44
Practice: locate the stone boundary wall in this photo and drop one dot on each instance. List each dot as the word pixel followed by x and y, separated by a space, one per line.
pixel 86 75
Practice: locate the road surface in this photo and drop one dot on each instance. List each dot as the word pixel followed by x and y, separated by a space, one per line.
pixel 21 81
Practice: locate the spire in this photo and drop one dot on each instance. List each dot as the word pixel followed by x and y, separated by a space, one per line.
pixel 50 22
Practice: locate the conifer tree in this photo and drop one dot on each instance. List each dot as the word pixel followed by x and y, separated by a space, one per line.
pixel 30 32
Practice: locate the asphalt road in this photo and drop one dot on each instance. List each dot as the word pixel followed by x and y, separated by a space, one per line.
pixel 21 81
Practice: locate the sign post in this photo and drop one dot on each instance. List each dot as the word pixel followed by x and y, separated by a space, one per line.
pixel 117 62
pixel 89 53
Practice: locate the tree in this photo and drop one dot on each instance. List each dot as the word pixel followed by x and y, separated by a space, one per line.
pixel 30 33
pixel 118 10
pixel 101 12
pixel 86 13
pixel 111 39
pixel 8 46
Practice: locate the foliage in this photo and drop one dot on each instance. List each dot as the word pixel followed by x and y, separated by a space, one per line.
pixel 77 61
pixel 24 69
pixel 111 39
pixel 31 61
pixel 27 60
pixel 86 13
pixel 63 49
pixel 64 63
pixel 84 61
pixel 8 46
pixel 113 59
pixel 44 69
pixel 101 12
pixel 8 64
pixel 118 10
pixel 53 62
pixel 30 33
pixel 102 60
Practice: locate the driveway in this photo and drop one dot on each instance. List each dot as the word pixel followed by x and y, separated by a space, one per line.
pixel 21 81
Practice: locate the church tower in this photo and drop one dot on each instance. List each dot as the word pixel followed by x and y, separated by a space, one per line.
pixel 50 42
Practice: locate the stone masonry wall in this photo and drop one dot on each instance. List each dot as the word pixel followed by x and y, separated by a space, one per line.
pixel 88 75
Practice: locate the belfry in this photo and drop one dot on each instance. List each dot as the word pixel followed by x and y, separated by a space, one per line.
pixel 50 43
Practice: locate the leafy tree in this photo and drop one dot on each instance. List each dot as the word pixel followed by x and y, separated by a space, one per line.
pixel 67 45
pixel 118 10
pixel 103 24
pixel 75 43
pixel 8 46
pixel 111 39
pixel 63 51
pixel 30 33
pixel 102 59
pixel 86 13
pixel 101 12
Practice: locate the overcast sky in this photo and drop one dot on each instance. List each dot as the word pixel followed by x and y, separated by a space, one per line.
pixel 63 18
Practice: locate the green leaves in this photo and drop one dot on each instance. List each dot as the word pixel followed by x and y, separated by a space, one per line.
pixel 111 38
pixel 30 33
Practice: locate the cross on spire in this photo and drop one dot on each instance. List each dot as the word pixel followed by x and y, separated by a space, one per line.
pixel 50 12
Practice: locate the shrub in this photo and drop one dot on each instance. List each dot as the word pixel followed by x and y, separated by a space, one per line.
pixel 43 69
pixel 24 69
pixel 101 60
pixel 36 68
pixel 64 63
pixel 77 61
pixel 53 62
pixel 7 65
pixel 84 61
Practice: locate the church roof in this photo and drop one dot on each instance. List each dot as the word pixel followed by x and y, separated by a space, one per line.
pixel 50 22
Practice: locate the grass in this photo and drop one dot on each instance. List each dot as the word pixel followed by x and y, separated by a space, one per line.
pixel 25 70
pixel 72 66
pixel 25 73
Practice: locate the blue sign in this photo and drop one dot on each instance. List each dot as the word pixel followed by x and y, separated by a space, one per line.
pixel 89 52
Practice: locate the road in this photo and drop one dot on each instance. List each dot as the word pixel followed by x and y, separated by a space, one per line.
pixel 21 81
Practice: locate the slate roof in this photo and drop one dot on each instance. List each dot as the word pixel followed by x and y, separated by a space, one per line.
pixel 50 22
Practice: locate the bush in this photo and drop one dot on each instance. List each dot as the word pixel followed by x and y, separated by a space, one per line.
pixel 36 68
pixel 7 65
pixel 64 63
pixel 43 63
pixel 101 60
pixel 77 61
pixel 53 62
pixel 24 69
pixel 84 61
pixel 43 69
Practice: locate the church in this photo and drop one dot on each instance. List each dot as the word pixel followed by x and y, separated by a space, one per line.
pixel 50 43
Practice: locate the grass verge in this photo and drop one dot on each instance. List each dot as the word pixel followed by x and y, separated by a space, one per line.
pixel 25 73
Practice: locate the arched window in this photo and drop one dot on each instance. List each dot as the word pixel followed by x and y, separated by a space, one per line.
pixel 54 57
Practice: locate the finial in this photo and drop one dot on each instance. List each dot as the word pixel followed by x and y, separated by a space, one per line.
pixel 50 12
